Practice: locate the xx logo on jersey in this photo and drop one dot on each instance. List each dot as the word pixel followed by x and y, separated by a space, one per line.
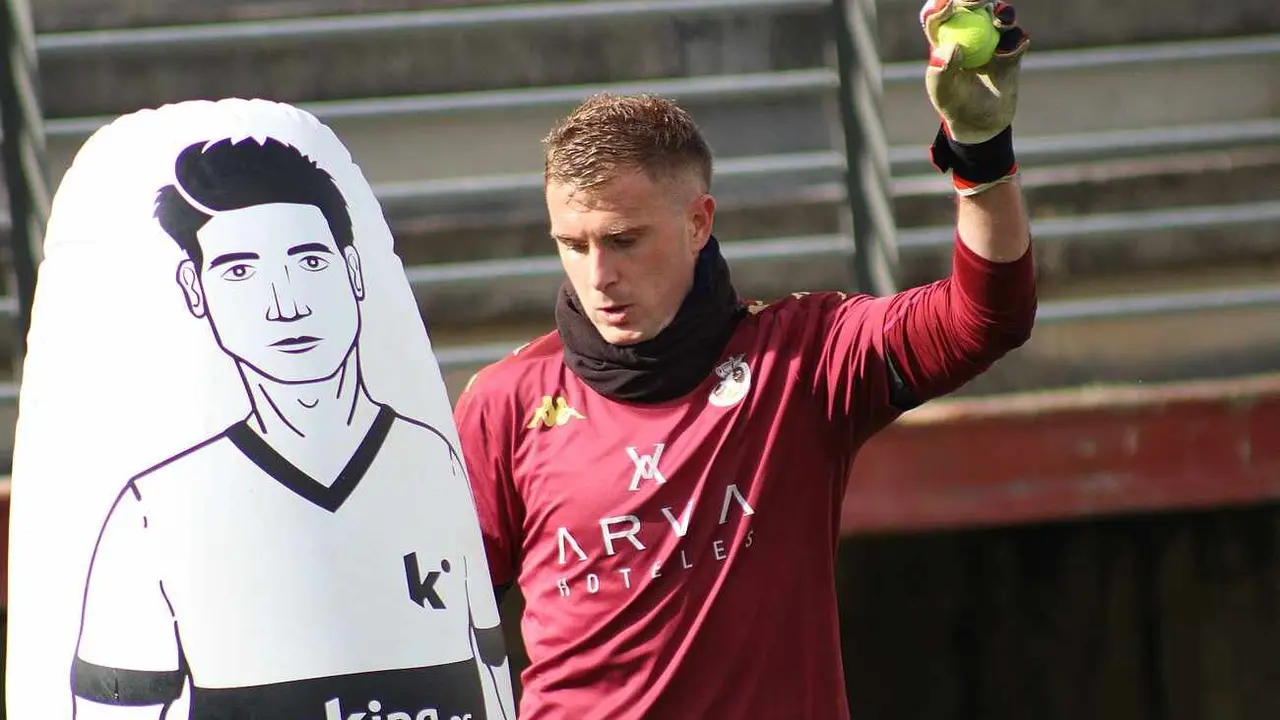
pixel 646 466
pixel 422 590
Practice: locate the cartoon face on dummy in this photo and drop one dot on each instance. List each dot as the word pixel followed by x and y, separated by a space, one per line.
pixel 273 267
pixel 278 291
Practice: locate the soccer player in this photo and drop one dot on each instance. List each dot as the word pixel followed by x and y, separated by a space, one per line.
pixel 674 537
pixel 318 559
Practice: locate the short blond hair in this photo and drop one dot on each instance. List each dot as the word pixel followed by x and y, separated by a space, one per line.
pixel 610 135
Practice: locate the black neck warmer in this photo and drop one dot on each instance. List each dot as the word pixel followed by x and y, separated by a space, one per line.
pixel 669 365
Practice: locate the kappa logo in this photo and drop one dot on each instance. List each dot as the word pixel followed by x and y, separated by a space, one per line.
pixel 735 381
pixel 553 413
pixel 646 466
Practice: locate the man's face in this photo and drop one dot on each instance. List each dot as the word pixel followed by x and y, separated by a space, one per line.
pixel 279 294
pixel 629 250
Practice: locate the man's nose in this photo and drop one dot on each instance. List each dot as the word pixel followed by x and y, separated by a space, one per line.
pixel 604 268
pixel 285 305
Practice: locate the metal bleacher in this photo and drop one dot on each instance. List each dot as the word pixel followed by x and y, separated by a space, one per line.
pixel 1132 132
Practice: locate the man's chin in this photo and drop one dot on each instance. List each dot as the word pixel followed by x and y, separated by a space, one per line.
pixel 621 336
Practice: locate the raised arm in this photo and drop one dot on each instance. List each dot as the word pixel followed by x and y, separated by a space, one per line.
pixel 883 356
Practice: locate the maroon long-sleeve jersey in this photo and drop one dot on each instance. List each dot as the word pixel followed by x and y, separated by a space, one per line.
pixel 677 559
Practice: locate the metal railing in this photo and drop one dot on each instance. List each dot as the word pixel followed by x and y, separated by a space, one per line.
pixel 23 156
pixel 866 147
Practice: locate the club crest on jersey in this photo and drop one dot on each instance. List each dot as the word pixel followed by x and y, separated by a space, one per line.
pixel 735 381
pixel 553 413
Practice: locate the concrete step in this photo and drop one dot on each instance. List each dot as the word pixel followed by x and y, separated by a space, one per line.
pixel 73 15
pixel 1077 196
pixel 1193 344
pixel 1243 173
pixel 1054 25
pixel 448 59
pixel 404 140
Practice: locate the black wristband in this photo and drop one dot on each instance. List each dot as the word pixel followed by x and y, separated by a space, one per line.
pixel 983 162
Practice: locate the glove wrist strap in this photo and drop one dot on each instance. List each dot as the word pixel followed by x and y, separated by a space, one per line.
pixel 976 166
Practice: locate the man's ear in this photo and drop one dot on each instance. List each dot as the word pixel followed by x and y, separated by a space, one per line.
pixel 353 271
pixel 700 216
pixel 189 281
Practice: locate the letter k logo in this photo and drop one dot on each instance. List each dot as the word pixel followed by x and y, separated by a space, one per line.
pixel 646 466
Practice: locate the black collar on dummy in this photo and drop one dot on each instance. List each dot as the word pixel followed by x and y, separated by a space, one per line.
pixel 669 365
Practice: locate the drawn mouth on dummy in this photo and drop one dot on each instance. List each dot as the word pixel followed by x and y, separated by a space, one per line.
pixel 296 345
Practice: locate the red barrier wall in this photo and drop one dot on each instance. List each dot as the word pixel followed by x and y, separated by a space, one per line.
pixel 1061 455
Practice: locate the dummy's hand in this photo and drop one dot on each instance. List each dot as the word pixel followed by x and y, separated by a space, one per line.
pixel 976 106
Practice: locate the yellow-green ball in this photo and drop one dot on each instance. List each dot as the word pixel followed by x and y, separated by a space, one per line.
pixel 974 32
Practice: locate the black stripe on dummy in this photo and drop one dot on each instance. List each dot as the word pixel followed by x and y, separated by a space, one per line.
pixel 492 645
pixel 130 688
pixel 438 691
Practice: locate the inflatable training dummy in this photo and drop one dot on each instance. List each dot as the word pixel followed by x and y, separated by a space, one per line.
pixel 237 490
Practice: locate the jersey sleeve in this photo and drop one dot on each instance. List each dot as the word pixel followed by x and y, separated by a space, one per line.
pixel 128 651
pixel 884 355
pixel 483 606
pixel 485 431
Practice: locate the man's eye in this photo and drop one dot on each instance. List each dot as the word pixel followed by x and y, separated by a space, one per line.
pixel 314 263
pixel 238 272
